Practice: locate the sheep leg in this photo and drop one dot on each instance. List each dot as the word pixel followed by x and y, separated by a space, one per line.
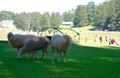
pixel 52 55
pixel 33 54
pixel 58 55
pixel 65 57
pixel 46 53
pixel 19 54
pixel 42 54
pixel 17 51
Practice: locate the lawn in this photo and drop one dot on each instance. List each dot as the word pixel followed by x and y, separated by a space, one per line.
pixel 82 62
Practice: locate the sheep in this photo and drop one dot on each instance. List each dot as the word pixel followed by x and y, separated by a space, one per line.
pixel 38 43
pixel 18 40
pixel 60 43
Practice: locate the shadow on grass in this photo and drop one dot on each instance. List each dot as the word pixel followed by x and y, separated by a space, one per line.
pixel 82 62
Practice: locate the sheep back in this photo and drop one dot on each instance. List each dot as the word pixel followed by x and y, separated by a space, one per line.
pixel 18 40
pixel 36 43
pixel 60 42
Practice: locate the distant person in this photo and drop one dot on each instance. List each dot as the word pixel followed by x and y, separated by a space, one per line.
pixel 95 38
pixel 113 42
pixel 106 38
pixel 100 38
pixel 119 41
pixel 86 39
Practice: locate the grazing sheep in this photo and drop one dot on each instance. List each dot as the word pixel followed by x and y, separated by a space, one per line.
pixel 18 40
pixel 60 43
pixel 38 43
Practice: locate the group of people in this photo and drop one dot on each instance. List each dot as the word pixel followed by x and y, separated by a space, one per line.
pixel 111 41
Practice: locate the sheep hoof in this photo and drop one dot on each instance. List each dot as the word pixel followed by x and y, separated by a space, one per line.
pixel 65 61
pixel 18 58
pixel 52 62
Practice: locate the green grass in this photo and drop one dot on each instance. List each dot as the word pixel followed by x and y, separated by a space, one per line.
pixel 82 62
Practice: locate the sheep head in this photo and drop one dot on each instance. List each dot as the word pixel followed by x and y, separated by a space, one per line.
pixel 67 39
pixel 10 36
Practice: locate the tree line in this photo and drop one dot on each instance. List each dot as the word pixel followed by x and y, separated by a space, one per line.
pixel 105 16
pixel 32 21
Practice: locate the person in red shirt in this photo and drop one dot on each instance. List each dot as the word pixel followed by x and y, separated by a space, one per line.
pixel 113 42
pixel 100 38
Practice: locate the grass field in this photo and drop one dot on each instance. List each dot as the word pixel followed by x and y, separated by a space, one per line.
pixel 82 62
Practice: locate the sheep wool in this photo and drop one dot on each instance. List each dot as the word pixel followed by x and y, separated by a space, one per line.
pixel 38 43
pixel 18 40
pixel 60 43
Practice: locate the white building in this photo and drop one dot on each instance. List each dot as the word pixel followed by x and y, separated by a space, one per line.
pixel 67 23
pixel 7 24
